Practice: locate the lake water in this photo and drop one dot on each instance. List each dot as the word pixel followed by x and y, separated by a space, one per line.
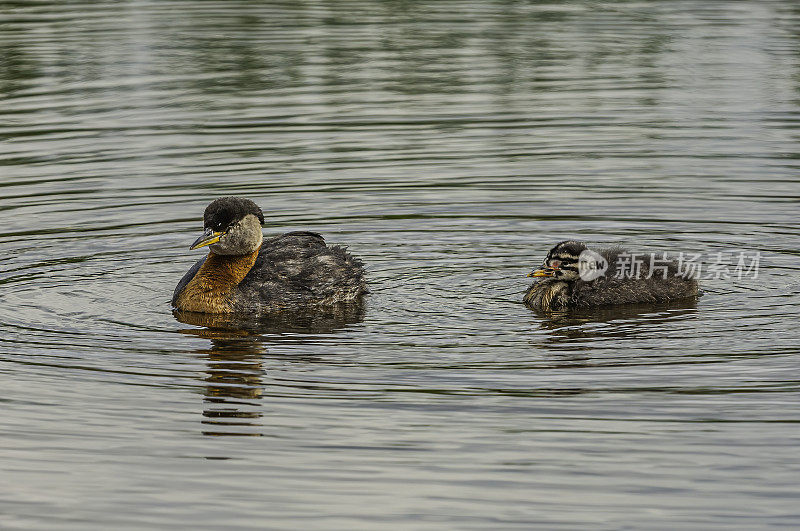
pixel 449 144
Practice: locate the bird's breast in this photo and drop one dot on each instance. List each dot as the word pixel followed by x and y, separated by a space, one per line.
pixel 212 288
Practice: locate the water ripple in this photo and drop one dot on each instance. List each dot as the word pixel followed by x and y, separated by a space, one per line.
pixel 450 145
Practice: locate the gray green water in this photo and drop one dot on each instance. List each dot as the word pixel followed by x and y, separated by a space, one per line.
pixel 448 144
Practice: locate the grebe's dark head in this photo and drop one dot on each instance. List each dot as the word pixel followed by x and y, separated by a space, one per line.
pixel 562 261
pixel 232 226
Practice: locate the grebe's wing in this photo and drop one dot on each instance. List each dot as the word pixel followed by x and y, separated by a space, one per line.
pixel 186 279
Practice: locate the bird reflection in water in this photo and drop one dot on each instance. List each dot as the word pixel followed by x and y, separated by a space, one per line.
pixel 579 332
pixel 234 381
pixel 569 321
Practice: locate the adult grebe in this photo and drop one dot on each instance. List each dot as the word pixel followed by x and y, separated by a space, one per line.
pixel 245 273
pixel 572 278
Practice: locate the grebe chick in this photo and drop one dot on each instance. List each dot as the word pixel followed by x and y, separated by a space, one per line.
pixel 245 273
pixel 572 276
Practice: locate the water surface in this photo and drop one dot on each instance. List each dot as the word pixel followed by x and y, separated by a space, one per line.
pixel 450 145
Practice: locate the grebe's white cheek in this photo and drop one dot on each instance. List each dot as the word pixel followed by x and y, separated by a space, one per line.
pixel 244 237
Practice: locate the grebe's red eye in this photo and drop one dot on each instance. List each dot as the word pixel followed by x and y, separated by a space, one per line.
pixel 555 263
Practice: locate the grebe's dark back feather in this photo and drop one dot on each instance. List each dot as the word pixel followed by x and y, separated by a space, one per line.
pixel 298 269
